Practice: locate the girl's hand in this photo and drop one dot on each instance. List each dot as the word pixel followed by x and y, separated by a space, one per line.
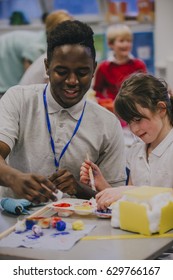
pixel 100 182
pixel 106 197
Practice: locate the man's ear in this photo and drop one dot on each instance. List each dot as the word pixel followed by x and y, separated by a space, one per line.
pixel 46 66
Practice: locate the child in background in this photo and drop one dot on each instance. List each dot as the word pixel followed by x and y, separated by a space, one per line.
pixel 144 103
pixel 112 72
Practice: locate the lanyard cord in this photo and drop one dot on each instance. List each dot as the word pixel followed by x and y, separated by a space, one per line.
pixel 56 162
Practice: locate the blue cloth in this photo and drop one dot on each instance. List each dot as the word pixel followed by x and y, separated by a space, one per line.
pixel 15 206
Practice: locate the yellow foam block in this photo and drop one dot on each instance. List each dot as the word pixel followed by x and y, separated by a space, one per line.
pixel 146 192
pixel 166 219
pixel 133 215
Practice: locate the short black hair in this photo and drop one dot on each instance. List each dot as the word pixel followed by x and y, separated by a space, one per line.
pixel 70 32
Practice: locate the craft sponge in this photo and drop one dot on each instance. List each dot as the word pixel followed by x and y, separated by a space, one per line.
pixel 78 225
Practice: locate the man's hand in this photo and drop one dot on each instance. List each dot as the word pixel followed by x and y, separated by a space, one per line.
pixel 33 187
pixel 64 181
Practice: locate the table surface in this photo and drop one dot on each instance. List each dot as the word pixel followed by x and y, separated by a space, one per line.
pixel 101 244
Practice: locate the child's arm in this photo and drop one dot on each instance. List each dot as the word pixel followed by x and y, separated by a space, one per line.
pixel 100 182
pixel 106 194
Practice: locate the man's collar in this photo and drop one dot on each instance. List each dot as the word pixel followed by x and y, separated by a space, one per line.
pixel 53 106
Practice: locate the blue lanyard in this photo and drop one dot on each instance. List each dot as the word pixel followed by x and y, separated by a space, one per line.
pixel 57 161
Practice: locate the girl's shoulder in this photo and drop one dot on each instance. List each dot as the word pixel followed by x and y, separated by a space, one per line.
pixel 137 148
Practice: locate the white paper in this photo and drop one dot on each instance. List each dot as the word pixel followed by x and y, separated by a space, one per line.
pixel 52 239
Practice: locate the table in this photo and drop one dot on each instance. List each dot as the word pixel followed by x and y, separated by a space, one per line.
pixel 100 244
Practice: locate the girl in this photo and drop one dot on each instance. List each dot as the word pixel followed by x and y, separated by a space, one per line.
pixel 144 103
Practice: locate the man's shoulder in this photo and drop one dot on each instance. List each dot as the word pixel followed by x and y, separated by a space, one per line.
pixel 99 108
pixel 24 91
pixel 99 111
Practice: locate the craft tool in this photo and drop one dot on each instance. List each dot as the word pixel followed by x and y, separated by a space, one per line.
pixel 91 176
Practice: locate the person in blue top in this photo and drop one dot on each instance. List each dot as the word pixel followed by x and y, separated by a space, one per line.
pixel 19 49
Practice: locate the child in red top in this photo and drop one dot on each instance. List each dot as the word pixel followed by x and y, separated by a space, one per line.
pixel 111 73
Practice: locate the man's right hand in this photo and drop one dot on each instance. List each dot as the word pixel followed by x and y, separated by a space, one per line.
pixel 35 188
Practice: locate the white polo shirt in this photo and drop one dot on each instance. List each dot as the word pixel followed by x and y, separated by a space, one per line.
pixel 158 170
pixel 23 127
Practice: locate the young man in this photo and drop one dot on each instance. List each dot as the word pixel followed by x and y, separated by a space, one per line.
pixel 47 130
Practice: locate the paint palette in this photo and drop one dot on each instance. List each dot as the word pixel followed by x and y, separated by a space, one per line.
pixel 104 214
pixel 83 209
pixel 65 208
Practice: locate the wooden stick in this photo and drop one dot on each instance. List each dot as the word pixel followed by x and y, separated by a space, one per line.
pixel 91 176
pixel 7 232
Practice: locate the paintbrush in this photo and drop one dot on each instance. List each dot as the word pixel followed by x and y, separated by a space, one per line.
pixel 91 176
